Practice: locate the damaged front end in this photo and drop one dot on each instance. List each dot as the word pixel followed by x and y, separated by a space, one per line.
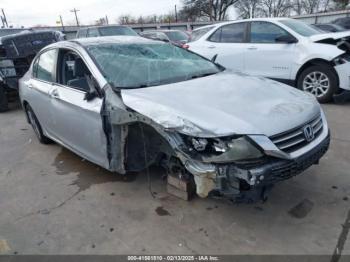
pixel 242 168
pixel 243 172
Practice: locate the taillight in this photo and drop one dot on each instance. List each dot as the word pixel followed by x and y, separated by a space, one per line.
pixel 185 46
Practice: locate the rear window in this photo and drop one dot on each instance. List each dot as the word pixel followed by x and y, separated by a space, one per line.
pixel 116 30
pixel 198 33
pixel 82 33
pixel 176 36
pixel 233 33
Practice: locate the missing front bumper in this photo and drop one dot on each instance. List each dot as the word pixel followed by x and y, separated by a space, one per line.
pixel 250 183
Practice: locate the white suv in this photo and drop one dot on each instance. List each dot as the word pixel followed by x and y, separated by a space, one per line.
pixel 283 49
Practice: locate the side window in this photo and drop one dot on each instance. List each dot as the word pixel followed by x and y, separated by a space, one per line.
pixel 73 71
pixel 35 67
pixel 93 32
pixel 233 33
pixel 265 32
pixel 46 67
pixel 82 33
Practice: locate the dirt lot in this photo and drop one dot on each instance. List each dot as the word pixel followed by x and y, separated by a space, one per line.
pixel 54 202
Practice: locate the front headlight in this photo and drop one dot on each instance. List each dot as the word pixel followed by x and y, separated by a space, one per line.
pixel 221 150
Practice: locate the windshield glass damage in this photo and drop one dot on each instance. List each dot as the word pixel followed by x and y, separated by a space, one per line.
pixel 149 64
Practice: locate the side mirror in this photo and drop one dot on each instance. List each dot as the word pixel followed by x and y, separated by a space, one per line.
pixel 286 39
pixel 92 92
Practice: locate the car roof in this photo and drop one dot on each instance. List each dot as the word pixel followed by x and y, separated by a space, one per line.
pixel 101 26
pixel 272 19
pixel 112 39
pixel 161 31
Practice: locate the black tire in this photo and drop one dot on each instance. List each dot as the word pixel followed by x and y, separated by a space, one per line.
pixel 36 126
pixel 3 100
pixel 328 72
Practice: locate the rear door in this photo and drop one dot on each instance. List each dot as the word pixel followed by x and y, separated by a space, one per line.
pixel 266 57
pixel 228 42
pixel 77 122
pixel 41 85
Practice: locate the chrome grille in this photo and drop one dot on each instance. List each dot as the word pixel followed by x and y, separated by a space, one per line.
pixel 295 139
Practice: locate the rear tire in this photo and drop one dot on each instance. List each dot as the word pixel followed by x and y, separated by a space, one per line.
pixel 320 81
pixel 3 100
pixel 33 120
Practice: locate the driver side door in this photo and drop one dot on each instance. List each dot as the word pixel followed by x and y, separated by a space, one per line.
pixel 266 57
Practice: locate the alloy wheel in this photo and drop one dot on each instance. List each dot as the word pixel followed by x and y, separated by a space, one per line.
pixel 316 83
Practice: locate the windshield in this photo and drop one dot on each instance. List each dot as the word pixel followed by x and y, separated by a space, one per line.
pixel 116 30
pixel 176 36
pixel 148 64
pixel 301 28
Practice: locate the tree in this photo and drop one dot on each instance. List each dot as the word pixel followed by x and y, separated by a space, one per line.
pixel 126 19
pixel 248 8
pixel 276 8
pixel 213 9
pixel 341 4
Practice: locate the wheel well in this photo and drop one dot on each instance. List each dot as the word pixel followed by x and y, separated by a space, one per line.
pixel 312 63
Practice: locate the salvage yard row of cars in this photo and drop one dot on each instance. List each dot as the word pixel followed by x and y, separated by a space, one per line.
pixel 127 102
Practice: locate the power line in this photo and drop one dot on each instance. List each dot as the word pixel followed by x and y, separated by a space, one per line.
pixel 76 16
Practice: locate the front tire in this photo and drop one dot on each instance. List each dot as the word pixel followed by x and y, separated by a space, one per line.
pixel 3 100
pixel 33 120
pixel 320 81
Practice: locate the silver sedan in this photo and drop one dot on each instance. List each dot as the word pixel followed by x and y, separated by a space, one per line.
pixel 126 103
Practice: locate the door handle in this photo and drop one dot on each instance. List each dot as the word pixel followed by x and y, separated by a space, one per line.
pixel 211 46
pixel 54 94
pixel 252 48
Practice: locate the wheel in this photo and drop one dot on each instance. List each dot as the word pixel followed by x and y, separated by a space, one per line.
pixel 36 126
pixel 3 100
pixel 319 80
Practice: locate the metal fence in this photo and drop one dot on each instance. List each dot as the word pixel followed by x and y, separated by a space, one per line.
pixel 328 17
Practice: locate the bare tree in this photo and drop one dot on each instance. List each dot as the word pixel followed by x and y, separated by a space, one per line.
pixel 248 8
pixel 213 9
pixel 276 8
pixel 126 19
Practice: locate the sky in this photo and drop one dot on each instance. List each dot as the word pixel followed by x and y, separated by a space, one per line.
pixel 46 12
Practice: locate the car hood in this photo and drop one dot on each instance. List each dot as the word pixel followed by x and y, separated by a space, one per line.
pixel 334 36
pixel 224 104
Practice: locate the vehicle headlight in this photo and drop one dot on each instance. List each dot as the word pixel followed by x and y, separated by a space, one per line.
pixel 225 149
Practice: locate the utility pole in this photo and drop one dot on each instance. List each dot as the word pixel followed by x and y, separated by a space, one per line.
pixel 107 20
pixel 76 17
pixel 4 17
pixel 175 14
pixel 62 24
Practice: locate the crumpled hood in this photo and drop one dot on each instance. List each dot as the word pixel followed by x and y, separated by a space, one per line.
pixel 224 104
pixel 335 36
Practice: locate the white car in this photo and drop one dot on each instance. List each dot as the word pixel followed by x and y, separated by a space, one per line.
pixel 282 49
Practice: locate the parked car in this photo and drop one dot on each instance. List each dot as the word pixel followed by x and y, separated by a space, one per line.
pixel 125 103
pixel 283 49
pixel 112 30
pixel 176 37
pixel 344 22
pixel 17 50
pixel 331 28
